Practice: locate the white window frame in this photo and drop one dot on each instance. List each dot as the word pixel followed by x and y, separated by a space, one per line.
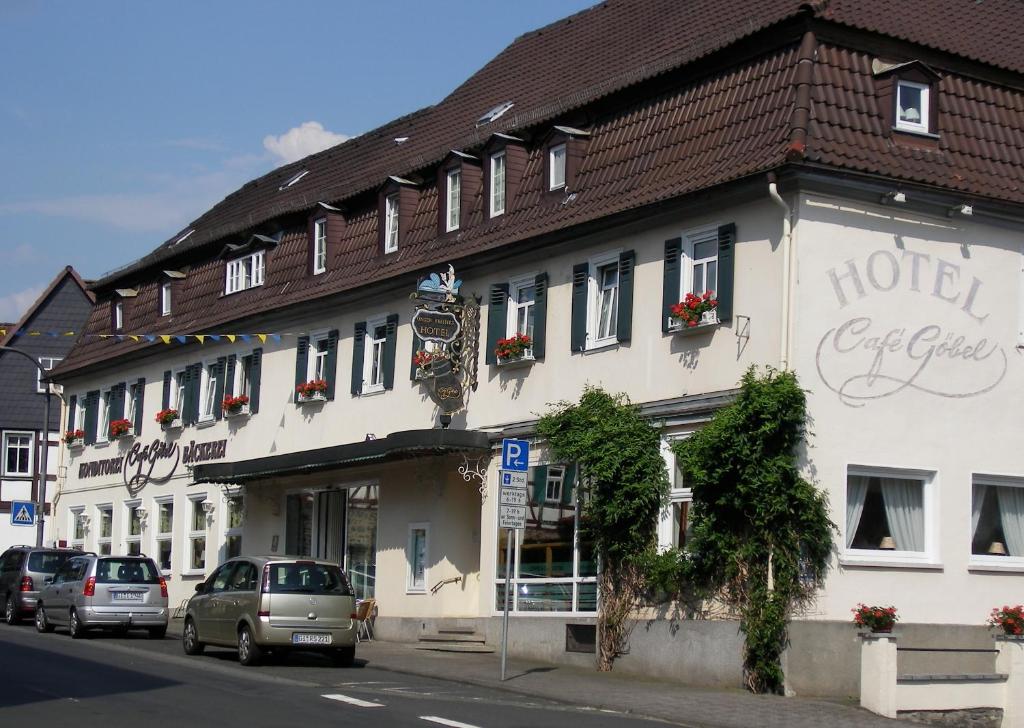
pixel 195 500
pixel 391 229
pixel 118 315
pixel 320 246
pixel 158 535
pixel 690 239
pixel 554 486
pixel 372 347
pixel 499 189
pixel 984 562
pixel 678 494
pixel 926 559
pixel 208 392
pixel 410 559
pixel 316 359
pixel 31 452
pixel 129 538
pixel 165 299
pixel 515 286
pixel 47 363
pixel 75 540
pixel 242 384
pixel 177 390
pixel 103 416
pixel 230 532
pixel 102 540
pixel 80 413
pixel 594 300
pixel 925 89
pixel 130 388
pixel 244 273
pixel 453 194
pixel 557 159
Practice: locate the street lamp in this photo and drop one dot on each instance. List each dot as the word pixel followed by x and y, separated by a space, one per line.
pixel 41 493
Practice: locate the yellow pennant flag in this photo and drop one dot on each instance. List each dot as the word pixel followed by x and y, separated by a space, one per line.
pixel 133 337
pixel 69 333
pixel 201 338
pixel 165 338
pixel 231 338
pixel 105 336
pixel 262 338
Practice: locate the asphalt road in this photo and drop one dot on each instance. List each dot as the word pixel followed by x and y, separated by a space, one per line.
pixel 131 682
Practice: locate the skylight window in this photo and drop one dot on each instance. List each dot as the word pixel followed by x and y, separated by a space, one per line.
pixel 293 180
pixel 494 113
pixel 184 237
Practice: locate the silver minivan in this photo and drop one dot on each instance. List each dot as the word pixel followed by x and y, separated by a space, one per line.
pixel 106 592
pixel 275 604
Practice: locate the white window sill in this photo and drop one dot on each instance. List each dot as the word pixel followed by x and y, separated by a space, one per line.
pixel 242 290
pixel 523 360
pixel 996 564
pixel 319 272
pixel 206 422
pixel 890 560
pixel 415 591
pixel 193 572
pixel 916 132
pixel 101 443
pixel 370 390
pixel 601 345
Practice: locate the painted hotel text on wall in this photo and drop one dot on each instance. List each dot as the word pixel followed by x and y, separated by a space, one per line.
pixel 898 344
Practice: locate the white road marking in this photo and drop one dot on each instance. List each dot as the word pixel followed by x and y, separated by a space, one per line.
pixel 353 701
pixel 445 721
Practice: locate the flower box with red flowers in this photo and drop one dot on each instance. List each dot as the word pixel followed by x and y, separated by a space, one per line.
pixel 694 313
pixel 74 438
pixel 120 428
pixel 314 390
pixel 235 406
pixel 426 360
pixel 876 619
pixel 1009 619
pixel 516 349
pixel 168 419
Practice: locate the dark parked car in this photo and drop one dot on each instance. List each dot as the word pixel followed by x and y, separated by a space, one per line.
pixel 23 570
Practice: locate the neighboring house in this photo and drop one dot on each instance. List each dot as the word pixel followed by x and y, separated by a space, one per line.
pixel 846 178
pixel 43 333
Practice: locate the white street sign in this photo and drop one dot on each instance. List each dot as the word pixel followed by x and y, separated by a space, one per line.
pixel 513 497
pixel 513 479
pixel 511 516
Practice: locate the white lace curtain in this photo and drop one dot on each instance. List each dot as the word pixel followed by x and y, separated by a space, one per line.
pixel 978 500
pixel 856 492
pixel 904 509
pixel 1011 513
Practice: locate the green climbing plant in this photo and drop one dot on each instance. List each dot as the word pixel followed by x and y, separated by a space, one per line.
pixel 623 485
pixel 762 535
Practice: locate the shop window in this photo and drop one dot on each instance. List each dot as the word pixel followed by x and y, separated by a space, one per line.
pixel 885 512
pixel 233 526
pixel 105 517
pixel 133 536
pixel 78 528
pixel 197 533
pixel 417 553
pixel 164 533
pixel 18 453
pixel 361 540
pixel 997 521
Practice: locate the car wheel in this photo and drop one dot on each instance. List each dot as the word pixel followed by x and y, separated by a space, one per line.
pixel 157 633
pixel 344 657
pixel 42 625
pixel 190 639
pixel 10 611
pixel 75 628
pixel 248 651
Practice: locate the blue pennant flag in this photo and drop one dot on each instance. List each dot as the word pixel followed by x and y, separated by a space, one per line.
pixel 181 339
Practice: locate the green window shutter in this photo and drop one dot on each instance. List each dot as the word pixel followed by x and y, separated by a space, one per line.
pixel 580 283
pixel 91 400
pixel 140 400
pixel 229 376
pixel 218 388
pixel 569 483
pixel 670 280
pixel 254 381
pixel 540 483
pixel 726 270
pixel 624 324
pixel 117 402
pixel 390 346
pixel 165 402
pixel 331 365
pixel 301 360
pixel 540 314
pixel 417 344
pixel 72 408
pixel 193 381
pixel 497 319
pixel 358 347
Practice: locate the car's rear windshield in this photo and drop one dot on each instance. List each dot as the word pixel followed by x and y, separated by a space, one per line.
pixel 126 571
pixel 47 562
pixel 308 578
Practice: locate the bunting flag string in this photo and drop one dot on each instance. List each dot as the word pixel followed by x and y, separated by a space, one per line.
pixel 137 337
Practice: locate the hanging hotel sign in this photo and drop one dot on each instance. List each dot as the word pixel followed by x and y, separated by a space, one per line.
pixel 155 463
pixel 447 326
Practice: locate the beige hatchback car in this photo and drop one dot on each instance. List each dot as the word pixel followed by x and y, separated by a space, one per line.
pixel 274 605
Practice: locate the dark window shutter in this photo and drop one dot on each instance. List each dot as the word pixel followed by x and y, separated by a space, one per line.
pixel 117 402
pixel 568 483
pixel 72 409
pixel 254 381
pixel 497 319
pixel 193 380
pixel 358 345
pixel 540 484
pixel 670 280
pixel 166 401
pixel 580 283
pixel 218 389
pixel 91 400
pixel 726 270
pixel 417 344
pixel 301 360
pixel 624 324
pixel 331 365
pixel 540 314
pixel 390 345
pixel 140 399
pixel 229 376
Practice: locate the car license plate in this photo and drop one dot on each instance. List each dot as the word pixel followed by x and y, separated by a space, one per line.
pixel 311 639
pixel 127 596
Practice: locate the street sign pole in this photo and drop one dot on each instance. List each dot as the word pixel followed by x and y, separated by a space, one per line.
pixel 509 535
pixel 513 499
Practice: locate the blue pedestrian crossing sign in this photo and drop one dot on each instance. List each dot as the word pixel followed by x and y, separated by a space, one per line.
pixel 23 513
pixel 515 455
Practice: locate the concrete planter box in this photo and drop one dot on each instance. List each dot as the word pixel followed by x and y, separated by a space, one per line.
pixel 311 398
pixel 512 362
pixel 240 413
pixel 172 425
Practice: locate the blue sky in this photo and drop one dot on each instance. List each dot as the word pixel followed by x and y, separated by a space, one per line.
pixel 121 121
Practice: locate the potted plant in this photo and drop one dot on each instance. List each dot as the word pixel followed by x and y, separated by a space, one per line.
pixel 314 390
pixel 1009 619
pixel 514 348
pixel 234 406
pixel 168 419
pixel 74 438
pixel 695 311
pixel 877 619
pixel 424 360
pixel 120 428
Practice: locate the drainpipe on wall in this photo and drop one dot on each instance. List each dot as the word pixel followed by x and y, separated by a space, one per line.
pixel 787 275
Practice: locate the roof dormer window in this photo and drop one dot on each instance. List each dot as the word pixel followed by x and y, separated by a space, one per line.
pixel 118 315
pixel 165 299
pixel 319 246
pixel 497 183
pixel 391 209
pixel 244 273
pixel 556 167
pixel 912 111
pixel 453 185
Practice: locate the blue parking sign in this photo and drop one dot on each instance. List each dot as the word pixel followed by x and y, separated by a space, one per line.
pixel 515 455
pixel 23 513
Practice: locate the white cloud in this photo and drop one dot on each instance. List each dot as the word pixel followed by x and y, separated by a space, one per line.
pixel 301 141
pixel 14 305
